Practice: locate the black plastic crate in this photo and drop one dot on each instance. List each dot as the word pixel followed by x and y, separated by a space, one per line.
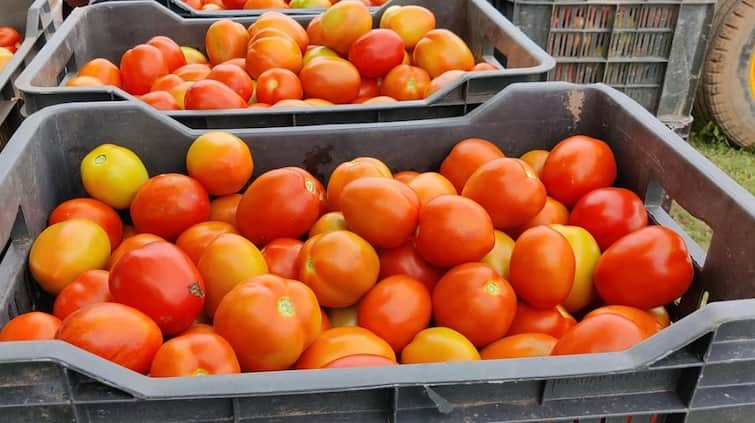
pixel 701 369
pixel 109 29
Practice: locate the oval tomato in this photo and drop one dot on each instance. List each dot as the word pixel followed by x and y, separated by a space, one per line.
pixel 196 354
pixel 83 81
pixel 209 94
pixel 174 57
pixel 411 23
pixel 439 345
pixel 223 209
pixel 553 321
pixel 329 222
pixel 350 171
pixel 94 210
pixel 235 78
pixel 193 72
pixel 343 24
pixel 360 360
pixel 520 346
pixel 641 318
pixel 283 23
pixel 342 342
pixel 586 255
pixel 499 258
pixel 660 314
pixel 377 52
pixel 465 158
pixel 220 161
pixel 131 243
pixel 9 38
pixel 441 50
pixel 225 40
pixel 194 241
pixel 160 100
pixel 609 214
pixel 199 328
pixel 102 69
pixel 282 257
pixel 335 80
pixel 430 185
pixel 405 260
pixel 603 333
pixel 406 82
pixel 32 326
pixel 277 84
pixel 271 52
pixel 90 287
pixel 140 67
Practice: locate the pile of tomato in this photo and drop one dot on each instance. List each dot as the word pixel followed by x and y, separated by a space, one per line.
pixel 269 4
pixel 338 59
pixel 10 39
pixel 489 258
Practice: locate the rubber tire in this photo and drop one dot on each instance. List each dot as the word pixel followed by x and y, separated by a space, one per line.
pixel 725 95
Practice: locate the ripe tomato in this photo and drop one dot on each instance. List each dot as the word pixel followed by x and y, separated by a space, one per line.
pixel 586 255
pixel 83 81
pixel 536 159
pixel 115 332
pixel 441 50
pixel 281 203
pixel 171 51
pixel 343 24
pixel 576 166
pixel 661 316
pixel 553 213
pixel 520 346
pixel 609 214
pixel 271 52
pixel 329 222
pixel 102 69
pixel 277 84
pixel 360 360
pixel 314 32
pixel 282 257
pixel 443 241
pixel 368 89
pixel 265 4
pixel 430 185
pixel 599 334
pixel 94 210
pixel 220 161
pixel 209 94
pixel 338 343
pixel 90 287
pixel 297 104
pixel 335 80
pixel 162 282
pixel 235 78
pixel 283 23
pixel 193 72
pixel 542 267
pixel 405 260
pixel 380 100
pixel 197 354
pixel 340 267
pixel 442 80
pixel 406 82
pixel 315 51
pixel 641 318
pixel 9 38
pixel 131 243
pixel 325 320
pixel 347 172
pixel 225 40
pixel 411 23
pixel 179 93
pixel 160 100
pixel 269 321
pixel 439 345
pixel 169 204
pixel 466 157
pixel 405 176
pixel 377 52
pixel 552 321
pixel 65 250
pixel 507 191
pixel 396 309
pixel 647 268
pixel 381 210
pixel 32 326
pixel 472 293
pixel 223 209
pixel 499 257
pixel 199 328
pixel 193 55
pixel 194 241
pixel 113 175
pixel 140 66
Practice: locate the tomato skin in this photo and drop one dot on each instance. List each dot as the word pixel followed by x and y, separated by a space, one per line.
pixel 283 23
pixel 520 346
pixel 209 94
pixel 277 84
pixel 341 342
pixel 405 176
pixel 282 257
pixel 113 175
pixel 192 72
pixel 90 287
pixel 196 354
pixel 174 57
pixel 442 80
pixel 162 282
pixel 94 210
pixel 160 100
pixel 329 222
pixel 271 52
pixel 536 159
pixel 411 23
pixel 603 333
pixel 609 214
pixel 441 50
pixel 168 204
pixel 32 326
pixel 646 322
pixel 439 345
pixel 553 321
pixel 115 332
pixel 472 293
pixel 339 266
pixel 102 69
pixel 199 328
pixel 507 191
pixel 223 209
pixel 586 255
pixel 335 80
pixel 360 360
pixel 377 52
pixel 499 258
pixel 140 67
pixel 368 89
pixel 195 240
pixel 553 213
pixel 576 166
pixel 9 38
pixel 381 210
pixel 647 268
pixel 281 203
pixel 406 260
pixel 660 314
pixel 269 321
pixel 542 267
pixel 343 24
pixel 443 242
pixel 465 158
pixel 350 171
pixel 220 161
pixel 225 40
pixel 235 78
pixel 406 82
pixel 430 185
pixel 396 309
pixel 131 243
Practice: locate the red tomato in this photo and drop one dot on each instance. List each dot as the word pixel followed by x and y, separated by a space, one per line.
pixel 169 204
pixel 220 161
pixel 9 38
pixel 225 40
pixel 465 158
pixel 335 80
pixel 520 346
pixel 405 82
pixel 196 354
pixel 576 166
pixel 90 287
pixel 641 318
pixel 33 326
pixel 553 321
pixel 162 282
pixel 171 51
pixel 131 243
pixel 209 94
pixel 140 67
pixel 160 100
pixel 396 309
pixel 282 203
pixel 471 294
pixel 360 360
pixel 647 268
pixel 278 84
pixel 341 342
pixel 282 257
pixel 195 240
pixel 94 210
pixel 405 260
pixel 377 52
pixel 223 209
pixel 603 333
pixel 369 89
pixel 542 267
pixel 115 332
pixel 235 78
pixel 609 214
pixel 553 213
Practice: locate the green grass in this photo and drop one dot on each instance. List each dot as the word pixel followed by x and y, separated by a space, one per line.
pixel 737 163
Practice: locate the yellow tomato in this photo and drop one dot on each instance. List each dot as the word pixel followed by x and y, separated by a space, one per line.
pixel 586 255
pixel 5 56
pixel 193 55
pixel 113 175
pixel 439 345
pixel 500 256
pixel 329 222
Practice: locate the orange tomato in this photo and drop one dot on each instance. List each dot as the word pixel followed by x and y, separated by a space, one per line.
pixel 641 318
pixel 179 93
pixel 209 94
pixel 129 244
pixel 553 213
pixel 193 72
pixel 199 328
pixel 329 222
pixel 102 69
pixel 225 40
pixel 171 51
pixel 160 100
pixel 536 159
pixel 282 257
pixel 439 345
pixel 484 67
pixel 603 333
pixel 411 23
pixel 441 50
pixel 520 346
pixel 265 4
pixel 350 171
pixel 430 185
pixel 341 342
pixel 220 161
pixel 94 210
pixel 223 209
pixel 235 77
pixel 32 326
pixel 553 321
pixel 465 158
pixel 661 316
pixel 283 23
pixel 194 241
pixel 335 80
pixel 195 354
pixel 360 360
pixel 140 67
pixel 405 176
pixel 499 258
pixel 406 82
pixel 277 84
pixel 314 32
pixel 342 24
pixel 84 81
pixel 90 287
pixel 273 52
pixel 440 81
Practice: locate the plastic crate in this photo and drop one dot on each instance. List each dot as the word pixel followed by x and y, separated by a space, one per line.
pixel 35 21
pixel 184 9
pixel 652 51
pixel 701 369
pixel 109 29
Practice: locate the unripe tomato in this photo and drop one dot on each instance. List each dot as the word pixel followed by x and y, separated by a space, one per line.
pixel 113 175
pixel 194 241
pixel 102 69
pixel 343 24
pixel 94 210
pixel 411 23
pixel 329 222
pixel 439 345
pixel 499 258
pixel 586 255
pixel 441 50
pixel 225 40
